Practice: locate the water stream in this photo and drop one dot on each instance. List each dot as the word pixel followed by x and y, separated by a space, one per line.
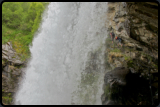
pixel 67 56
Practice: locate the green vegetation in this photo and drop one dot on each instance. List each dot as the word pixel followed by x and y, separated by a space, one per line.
pixel 108 39
pixel 18 66
pixel 130 64
pixel 111 93
pixel 150 58
pixel 20 20
pixel 7 98
pixel 106 90
pixel 126 57
pixel 131 61
pixel 156 66
pixel 116 50
pixel 3 62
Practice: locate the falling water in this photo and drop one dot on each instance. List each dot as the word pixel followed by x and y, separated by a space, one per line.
pixel 67 56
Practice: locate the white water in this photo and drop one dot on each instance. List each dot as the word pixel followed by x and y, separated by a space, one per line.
pixel 62 50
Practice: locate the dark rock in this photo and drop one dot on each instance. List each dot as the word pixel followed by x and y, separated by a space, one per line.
pixel 132 70
pixel 110 102
pixel 118 76
pixel 139 48
pixel 137 24
pixel 111 9
pixel 155 84
pixel 123 86
pixel 5 68
pixel 115 80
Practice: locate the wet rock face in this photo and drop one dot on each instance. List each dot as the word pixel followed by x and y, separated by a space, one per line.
pixel 114 83
pixel 118 75
pixel 11 77
pixel 144 22
pixel 127 22
pixel 11 73
pixel 122 87
pixel 136 23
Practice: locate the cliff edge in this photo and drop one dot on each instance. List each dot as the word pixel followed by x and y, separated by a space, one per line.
pixel 136 23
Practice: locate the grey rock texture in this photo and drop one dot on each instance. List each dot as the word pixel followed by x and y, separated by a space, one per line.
pixel 136 23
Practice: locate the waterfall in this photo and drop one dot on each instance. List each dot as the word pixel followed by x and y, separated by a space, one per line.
pixel 67 56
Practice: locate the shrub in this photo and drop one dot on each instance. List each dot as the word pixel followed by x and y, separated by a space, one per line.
pixel 20 20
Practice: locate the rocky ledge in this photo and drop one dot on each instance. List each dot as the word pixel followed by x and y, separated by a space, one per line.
pixel 133 76
pixel 11 73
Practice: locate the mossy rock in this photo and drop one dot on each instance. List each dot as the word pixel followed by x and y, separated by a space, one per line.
pixel 156 66
pixel 107 92
pixel 7 98
pixel 3 62
pixel 115 50
pixel 130 64
pixel 126 57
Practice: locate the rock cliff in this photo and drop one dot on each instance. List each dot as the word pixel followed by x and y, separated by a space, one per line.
pixel 136 23
pixel 11 73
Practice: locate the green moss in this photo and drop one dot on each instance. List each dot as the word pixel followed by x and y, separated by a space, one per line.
pixel 3 62
pixel 116 50
pixel 146 55
pixel 107 92
pixel 156 66
pixel 7 98
pixel 130 63
pixel 126 57
pixel 20 66
pixel 108 39
pixel 108 42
